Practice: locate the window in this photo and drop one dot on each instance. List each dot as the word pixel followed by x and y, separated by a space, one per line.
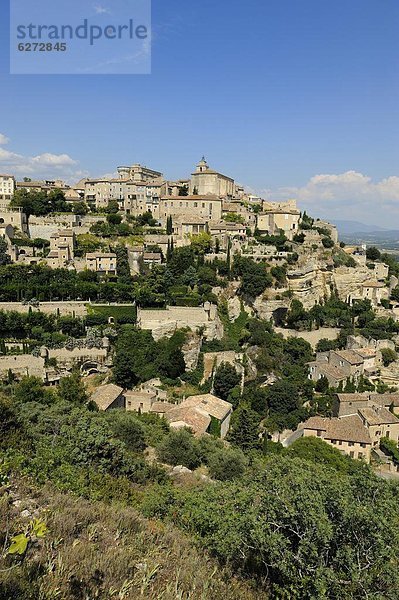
pixel 351 454
pixel 319 432
pixel 340 443
pixel 351 444
pixel 363 445
pixel 195 204
pixel 360 455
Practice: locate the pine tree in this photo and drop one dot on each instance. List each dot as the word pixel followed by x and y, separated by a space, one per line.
pixel 245 430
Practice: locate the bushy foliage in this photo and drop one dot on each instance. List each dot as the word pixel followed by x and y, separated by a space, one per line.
pixel 139 358
pixel 226 378
pixel 312 533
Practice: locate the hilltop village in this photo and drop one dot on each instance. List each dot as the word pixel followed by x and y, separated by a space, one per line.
pixel 203 304
pixel 199 395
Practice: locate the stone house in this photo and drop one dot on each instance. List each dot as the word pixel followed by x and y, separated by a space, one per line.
pixel 333 374
pixel 347 434
pixel 279 216
pixel 380 423
pixel 7 187
pixel 108 396
pixel 208 207
pixel 204 413
pixel 139 401
pixel 101 262
pixel 349 404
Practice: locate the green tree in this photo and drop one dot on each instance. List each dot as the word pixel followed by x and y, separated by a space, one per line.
pixel 322 385
pixel 71 389
pixel 227 464
pixel 226 378
pixel 31 389
pixel 388 356
pixel 5 258
pixel 373 253
pixel 303 530
pixel 80 208
pixel 180 447
pixel 244 431
pixel 114 219
pixel 169 226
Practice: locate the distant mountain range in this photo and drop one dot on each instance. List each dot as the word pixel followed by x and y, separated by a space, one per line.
pixel 349 227
pixel 359 233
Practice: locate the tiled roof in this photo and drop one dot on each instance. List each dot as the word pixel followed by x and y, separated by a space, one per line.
pixel 212 405
pixel 378 416
pixel 350 356
pixel 105 395
pixel 347 429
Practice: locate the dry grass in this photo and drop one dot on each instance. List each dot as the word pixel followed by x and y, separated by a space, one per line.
pixel 96 551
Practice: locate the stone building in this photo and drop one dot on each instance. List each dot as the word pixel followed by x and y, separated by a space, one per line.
pixel 61 248
pixel 346 434
pixel 138 172
pixel 21 365
pixel 7 188
pixel 205 181
pixel 205 413
pixel 108 396
pixel 279 217
pixel 101 262
pixel 14 217
pixel 208 207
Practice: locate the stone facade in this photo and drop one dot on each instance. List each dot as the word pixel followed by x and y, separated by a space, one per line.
pixel 164 322
pixel 205 181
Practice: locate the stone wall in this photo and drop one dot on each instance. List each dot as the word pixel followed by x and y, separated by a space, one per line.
pixel 329 333
pixel 165 322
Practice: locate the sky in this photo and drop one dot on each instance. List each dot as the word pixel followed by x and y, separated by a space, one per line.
pixel 291 98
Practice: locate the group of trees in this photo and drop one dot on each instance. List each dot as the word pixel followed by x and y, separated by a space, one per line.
pixel 19 282
pixel 40 203
pixel 138 357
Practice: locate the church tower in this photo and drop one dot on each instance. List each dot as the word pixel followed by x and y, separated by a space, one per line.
pixel 202 166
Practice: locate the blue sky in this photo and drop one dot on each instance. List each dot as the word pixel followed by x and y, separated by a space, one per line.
pixel 290 98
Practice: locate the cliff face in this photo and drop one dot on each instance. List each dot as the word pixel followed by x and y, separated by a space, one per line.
pixel 349 280
pixel 310 283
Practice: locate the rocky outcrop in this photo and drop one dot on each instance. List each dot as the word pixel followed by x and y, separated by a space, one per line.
pixel 191 350
pixel 266 309
pixel 348 281
pixel 310 283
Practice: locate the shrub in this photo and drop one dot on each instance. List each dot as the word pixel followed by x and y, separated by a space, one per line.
pixel 227 464
pixel 180 448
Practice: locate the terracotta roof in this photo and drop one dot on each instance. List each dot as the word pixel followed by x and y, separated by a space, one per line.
pixel 347 429
pixel 353 397
pixel 105 395
pixel 315 423
pixel 212 405
pixel 332 371
pixel 188 417
pixel 161 407
pixel 350 356
pixel 378 416
pixel 385 399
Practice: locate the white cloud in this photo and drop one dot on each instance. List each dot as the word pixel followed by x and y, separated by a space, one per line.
pixel 350 195
pixel 43 166
pixel 3 139
pixel 53 160
pixel 101 10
